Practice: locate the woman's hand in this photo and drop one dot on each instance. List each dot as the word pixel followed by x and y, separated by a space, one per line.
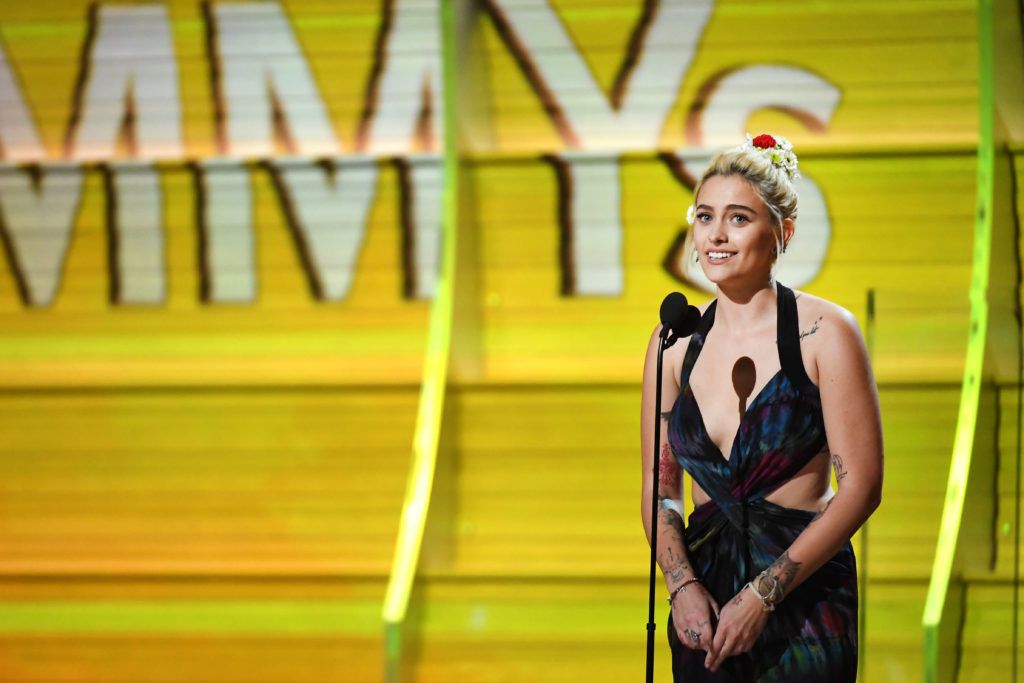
pixel 741 622
pixel 692 611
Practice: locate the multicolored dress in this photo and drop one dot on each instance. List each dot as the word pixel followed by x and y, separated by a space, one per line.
pixel 812 634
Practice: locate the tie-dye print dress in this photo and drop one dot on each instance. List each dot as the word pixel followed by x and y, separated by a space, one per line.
pixel 812 634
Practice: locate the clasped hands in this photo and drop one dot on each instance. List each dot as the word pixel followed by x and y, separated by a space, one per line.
pixel 735 628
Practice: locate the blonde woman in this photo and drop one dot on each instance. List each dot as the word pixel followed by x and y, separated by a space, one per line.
pixel 772 391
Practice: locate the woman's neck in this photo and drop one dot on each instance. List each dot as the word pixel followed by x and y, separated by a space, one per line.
pixel 742 308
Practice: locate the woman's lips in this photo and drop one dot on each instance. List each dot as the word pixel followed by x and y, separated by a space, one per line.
pixel 716 259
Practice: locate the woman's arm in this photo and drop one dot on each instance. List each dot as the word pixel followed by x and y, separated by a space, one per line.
pixel 671 555
pixel 853 427
pixel 693 606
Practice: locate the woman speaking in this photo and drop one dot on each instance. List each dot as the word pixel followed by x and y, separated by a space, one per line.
pixel 771 391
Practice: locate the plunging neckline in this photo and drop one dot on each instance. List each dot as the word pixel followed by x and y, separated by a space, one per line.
pixel 743 418
pixel 688 389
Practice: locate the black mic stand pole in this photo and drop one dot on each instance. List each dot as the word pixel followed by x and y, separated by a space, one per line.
pixel 651 625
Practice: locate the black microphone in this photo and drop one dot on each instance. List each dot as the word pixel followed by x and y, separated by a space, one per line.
pixel 678 317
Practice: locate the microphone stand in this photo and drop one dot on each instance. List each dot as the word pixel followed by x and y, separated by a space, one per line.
pixel 663 343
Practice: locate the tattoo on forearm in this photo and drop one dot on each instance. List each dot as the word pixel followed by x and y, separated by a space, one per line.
pixel 668 471
pixel 784 569
pixel 666 414
pixel 678 573
pixel 837 463
pixel 673 563
pixel 674 521
pixel 814 328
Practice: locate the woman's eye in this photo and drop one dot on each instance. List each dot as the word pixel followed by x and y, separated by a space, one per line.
pixel 702 215
pixel 741 217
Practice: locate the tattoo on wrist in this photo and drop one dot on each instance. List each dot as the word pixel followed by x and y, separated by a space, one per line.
pixel 784 569
pixel 679 574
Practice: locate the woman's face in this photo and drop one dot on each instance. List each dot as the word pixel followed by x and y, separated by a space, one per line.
pixel 733 231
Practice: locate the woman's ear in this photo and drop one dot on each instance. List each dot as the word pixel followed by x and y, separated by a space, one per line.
pixel 788 228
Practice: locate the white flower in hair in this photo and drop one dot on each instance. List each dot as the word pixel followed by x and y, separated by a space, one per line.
pixel 691 214
pixel 778 149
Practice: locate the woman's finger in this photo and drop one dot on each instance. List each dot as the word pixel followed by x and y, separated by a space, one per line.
pixel 712 663
pixel 723 644
pixel 707 636
pixel 692 636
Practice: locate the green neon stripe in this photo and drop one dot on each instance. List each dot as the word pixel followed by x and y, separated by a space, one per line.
pixel 435 372
pixel 206 616
pixel 952 513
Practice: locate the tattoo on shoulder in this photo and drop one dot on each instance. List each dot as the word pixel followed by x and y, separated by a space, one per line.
pixel 837 464
pixel 814 328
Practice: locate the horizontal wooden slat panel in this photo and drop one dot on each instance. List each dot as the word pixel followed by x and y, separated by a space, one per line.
pixel 987 636
pixel 277 658
pixel 194 481
pixel 888 234
pixel 547 481
pixel 594 630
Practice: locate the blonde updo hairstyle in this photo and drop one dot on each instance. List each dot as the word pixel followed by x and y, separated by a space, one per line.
pixel 770 182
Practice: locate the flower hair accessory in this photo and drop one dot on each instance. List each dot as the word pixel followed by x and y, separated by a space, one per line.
pixel 776 148
pixel 691 214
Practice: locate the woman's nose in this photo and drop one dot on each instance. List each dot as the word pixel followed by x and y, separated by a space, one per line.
pixel 717 233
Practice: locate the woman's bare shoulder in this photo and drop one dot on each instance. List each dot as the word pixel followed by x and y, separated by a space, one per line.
pixel 824 326
pixel 815 310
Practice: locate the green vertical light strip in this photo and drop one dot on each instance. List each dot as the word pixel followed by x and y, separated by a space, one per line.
pixel 953 509
pixel 862 559
pixel 427 433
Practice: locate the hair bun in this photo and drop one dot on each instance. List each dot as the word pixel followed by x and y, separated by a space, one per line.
pixel 777 149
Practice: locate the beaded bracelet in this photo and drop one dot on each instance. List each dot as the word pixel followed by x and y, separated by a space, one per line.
pixel 681 588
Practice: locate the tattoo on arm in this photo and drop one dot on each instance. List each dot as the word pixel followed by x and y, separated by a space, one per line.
pixel 678 573
pixel 784 569
pixel 837 463
pixel 673 563
pixel 666 414
pixel 668 472
pixel 675 523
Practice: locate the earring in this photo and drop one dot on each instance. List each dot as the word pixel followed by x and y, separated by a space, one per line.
pixel 696 256
pixel 783 247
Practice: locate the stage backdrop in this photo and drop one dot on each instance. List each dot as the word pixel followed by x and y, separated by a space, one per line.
pixel 248 191
pixel 221 230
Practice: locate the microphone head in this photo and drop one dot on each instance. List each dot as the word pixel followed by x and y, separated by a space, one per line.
pixel 673 310
pixel 690 321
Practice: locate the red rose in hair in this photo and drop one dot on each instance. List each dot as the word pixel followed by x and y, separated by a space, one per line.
pixel 764 141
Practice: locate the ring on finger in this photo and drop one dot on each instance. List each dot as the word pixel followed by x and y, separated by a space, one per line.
pixel 691 634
